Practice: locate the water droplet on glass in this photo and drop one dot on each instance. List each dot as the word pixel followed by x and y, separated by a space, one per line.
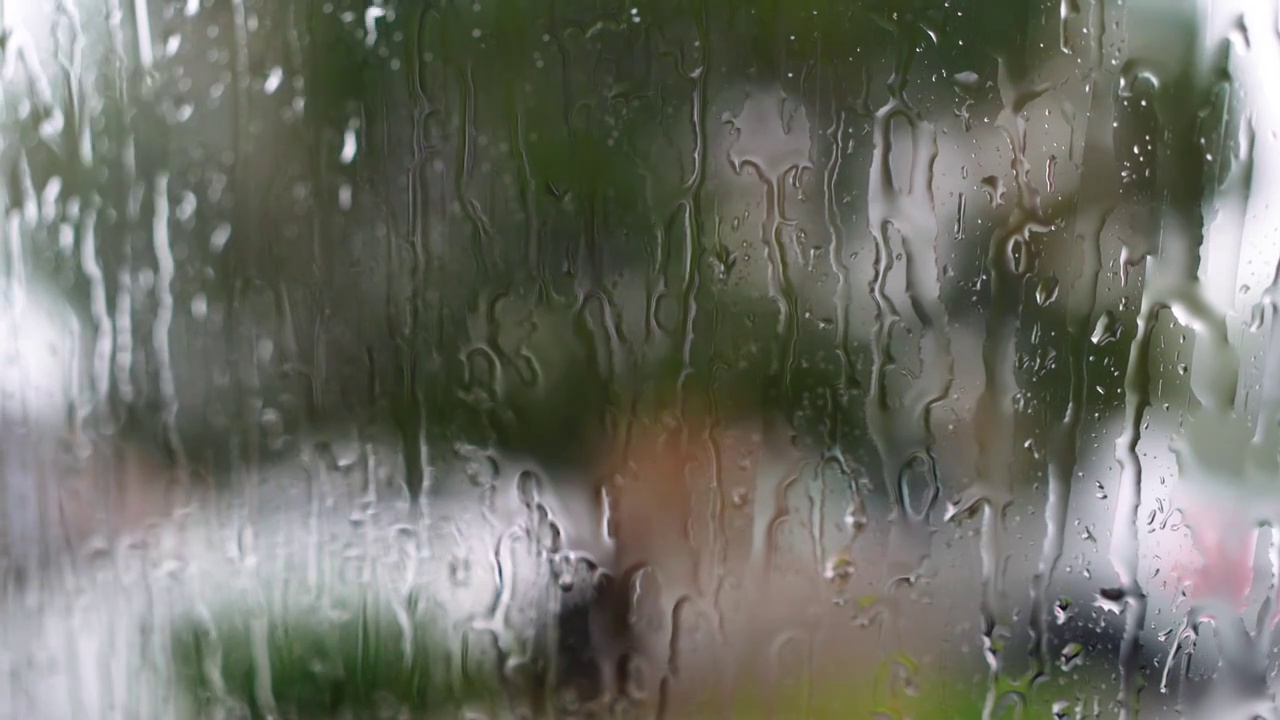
pixel 272 83
pixel 1071 657
pixel 1239 35
pixel 1106 329
pixel 528 488
pixel 993 186
pixel 839 569
pixel 219 237
pixel 199 306
pixel 1046 291
pixel 967 81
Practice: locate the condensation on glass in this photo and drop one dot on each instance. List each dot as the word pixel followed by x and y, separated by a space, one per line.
pixel 438 358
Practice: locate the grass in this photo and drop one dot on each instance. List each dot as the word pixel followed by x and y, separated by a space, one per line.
pixel 355 665
pixel 319 664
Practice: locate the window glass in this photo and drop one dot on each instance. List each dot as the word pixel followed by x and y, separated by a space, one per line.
pixel 590 358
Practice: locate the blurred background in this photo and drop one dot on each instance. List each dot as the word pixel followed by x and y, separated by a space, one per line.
pixel 581 358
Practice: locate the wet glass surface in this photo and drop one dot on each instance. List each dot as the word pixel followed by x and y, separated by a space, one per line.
pixel 581 358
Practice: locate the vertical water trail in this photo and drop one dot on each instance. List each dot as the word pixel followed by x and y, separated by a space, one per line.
pixel 1124 528
pixel 418 455
pixel 993 422
pixel 20 493
pixel 1268 427
pixel 780 285
pixel 124 187
pixel 1067 9
pixel 843 299
pixel 1094 205
pixel 1243 677
pixel 240 121
pixel 773 138
pixel 1170 283
pixel 123 361
pixel 142 29
pixel 519 147
pixel 91 267
pixel 164 315
pixel 776 150
pixel 693 188
pixel 902 433
pixel 482 229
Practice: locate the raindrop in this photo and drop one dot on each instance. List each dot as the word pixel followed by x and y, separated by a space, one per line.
pixel 1257 317
pixel 1106 329
pixel 1071 656
pixel 272 83
pixel 528 488
pixel 839 569
pixel 993 186
pixel 1046 291
pixel 218 239
pixel 348 146
pixel 199 306
pixel 966 81
pixel 1062 610
pixel 1239 35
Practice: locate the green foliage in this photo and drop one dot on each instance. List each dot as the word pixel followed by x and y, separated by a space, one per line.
pixel 320 663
